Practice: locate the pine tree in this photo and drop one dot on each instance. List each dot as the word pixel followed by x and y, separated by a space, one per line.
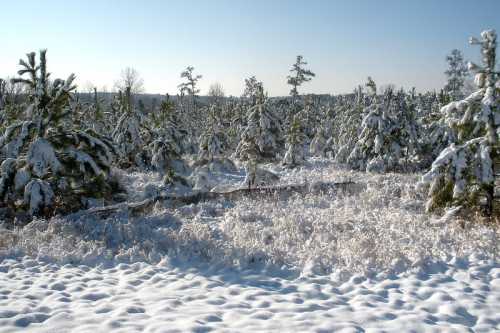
pixel 295 143
pixel 378 148
pixel 166 125
pixel 263 127
pixel 299 76
pixel 252 89
pixel 348 117
pixel 130 134
pixel 189 106
pixel 463 174
pixel 456 74
pixel 213 141
pixel 371 86
pixel 190 86
pixel 45 162
pixel 318 145
pixel 10 106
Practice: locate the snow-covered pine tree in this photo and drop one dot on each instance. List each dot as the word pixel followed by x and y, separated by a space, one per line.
pixel 237 124
pixel 47 164
pixel 166 160
pixel 10 106
pixel 263 127
pixel 456 74
pixel 213 141
pixel 348 116
pixel 3 94
pixel 405 132
pixel 166 125
pixel 295 143
pixel 190 86
pixel 96 112
pixel 318 146
pixel 189 100
pixel 377 149
pixel 299 75
pixel 434 134
pixel 371 87
pixel 129 134
pixel 252 89
pixel 168 142
pixel 310 115
pixel 463 174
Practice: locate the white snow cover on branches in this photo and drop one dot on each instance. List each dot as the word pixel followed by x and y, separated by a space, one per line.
pixel 10 142
pixel 38 194
pixel 468 166
pixel 42 158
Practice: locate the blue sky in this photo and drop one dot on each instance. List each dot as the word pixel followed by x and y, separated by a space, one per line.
pixel 403 42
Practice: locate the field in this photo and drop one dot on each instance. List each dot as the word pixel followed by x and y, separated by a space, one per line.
pixel 354 259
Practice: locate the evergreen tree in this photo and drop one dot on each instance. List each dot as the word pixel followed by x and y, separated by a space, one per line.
pixel 295 143
pixel 456 75
pixel 371 86
pixel 130 134
pixel 263 127
pixel 378 148
pixel 189 106
pixel 318 145
pixel 190 86
pixel 348 116
pixel 252 89
pixel 463 174
pixel 213 140
pixel 46 163
pixel 299 76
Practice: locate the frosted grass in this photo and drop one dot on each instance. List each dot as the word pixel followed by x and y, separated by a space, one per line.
pixel 380 227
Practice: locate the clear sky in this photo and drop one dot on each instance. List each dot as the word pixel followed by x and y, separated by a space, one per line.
pixel 403 42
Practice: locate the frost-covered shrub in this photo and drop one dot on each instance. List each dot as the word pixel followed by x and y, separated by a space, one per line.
pixel 463 173
pixel 47 164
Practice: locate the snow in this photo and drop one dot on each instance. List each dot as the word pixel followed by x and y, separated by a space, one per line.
pixel 460 295
pixel 364 258
pixel 84 160
pixel 38 194
pixel 11 141
pixel 22 178
pixel 42 158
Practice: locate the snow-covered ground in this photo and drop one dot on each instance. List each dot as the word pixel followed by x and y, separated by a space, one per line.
pixel 363 259
pixel 36 296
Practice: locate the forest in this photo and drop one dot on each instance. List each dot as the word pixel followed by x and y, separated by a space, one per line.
pixel 61 149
